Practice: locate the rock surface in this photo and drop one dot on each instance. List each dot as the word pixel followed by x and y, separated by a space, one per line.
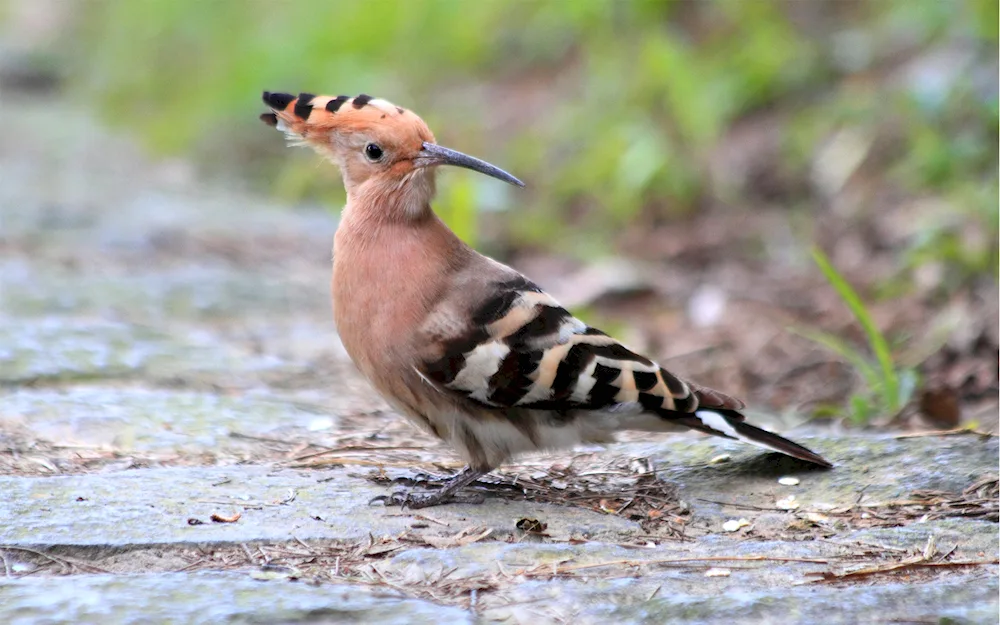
pixel 208 598
pixel 182 439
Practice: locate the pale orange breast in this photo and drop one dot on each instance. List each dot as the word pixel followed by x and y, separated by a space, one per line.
pixel 386 278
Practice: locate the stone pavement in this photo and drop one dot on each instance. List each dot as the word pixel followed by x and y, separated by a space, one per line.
pixel 182 439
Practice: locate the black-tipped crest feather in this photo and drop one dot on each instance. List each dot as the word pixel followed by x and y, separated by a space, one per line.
pixel 277 101
pixel 303 105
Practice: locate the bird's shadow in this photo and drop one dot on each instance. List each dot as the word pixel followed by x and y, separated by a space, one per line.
pixel 766 465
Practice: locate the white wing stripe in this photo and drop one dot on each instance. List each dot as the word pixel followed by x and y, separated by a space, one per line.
pixel 480 364
pixel 584 384
pixel 717 422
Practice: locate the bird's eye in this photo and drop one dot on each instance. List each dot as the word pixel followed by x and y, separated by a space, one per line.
pixel 373 152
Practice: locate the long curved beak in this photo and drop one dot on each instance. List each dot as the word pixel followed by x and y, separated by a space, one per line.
pixel 434 154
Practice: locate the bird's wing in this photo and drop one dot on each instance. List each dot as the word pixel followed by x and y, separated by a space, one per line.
pixel 519 349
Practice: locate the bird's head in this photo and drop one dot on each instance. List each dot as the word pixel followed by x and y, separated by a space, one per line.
pixel 384 152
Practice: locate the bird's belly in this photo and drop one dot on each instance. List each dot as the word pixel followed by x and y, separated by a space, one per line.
pixel 491 440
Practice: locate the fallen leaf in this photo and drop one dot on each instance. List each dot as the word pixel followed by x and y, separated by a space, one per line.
pixel 941 406
pixel 817 518
pixel 379 549
pixel 270 572
pixel 465 537
pixel 788 503
pixel 533 526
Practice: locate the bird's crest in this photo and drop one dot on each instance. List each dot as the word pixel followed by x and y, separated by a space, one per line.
pixel 311 117
pixel 395 142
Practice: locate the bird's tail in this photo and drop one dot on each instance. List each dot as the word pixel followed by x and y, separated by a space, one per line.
pixel 731 424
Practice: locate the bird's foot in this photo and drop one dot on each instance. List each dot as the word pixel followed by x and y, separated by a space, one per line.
pixel 415 501
pixel 447 494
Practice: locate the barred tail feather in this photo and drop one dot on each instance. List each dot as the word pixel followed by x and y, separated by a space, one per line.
pixel 730 424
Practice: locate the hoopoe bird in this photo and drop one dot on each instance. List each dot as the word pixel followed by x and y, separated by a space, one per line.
pixel 467 348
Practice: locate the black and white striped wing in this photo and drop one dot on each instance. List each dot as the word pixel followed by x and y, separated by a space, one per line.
pixel 523 350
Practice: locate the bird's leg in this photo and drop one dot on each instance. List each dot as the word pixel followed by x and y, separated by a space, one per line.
pixel 447 494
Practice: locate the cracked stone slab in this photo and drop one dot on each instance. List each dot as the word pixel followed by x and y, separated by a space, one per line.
pixel 677 564
pixel 152 507
pixel 971 600
pixel 207 598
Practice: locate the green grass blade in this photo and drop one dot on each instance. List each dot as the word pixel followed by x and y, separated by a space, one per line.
pixel 852 356
pixel 877 342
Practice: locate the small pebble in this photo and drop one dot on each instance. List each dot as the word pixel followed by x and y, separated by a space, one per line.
pixel 713 572
pixel 720 459
pixel 788 481
pixel 733 525
pixel 640 466
pixel 320 423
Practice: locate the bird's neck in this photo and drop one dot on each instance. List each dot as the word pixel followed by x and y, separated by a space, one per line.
pixel 405 198
pixel 388 270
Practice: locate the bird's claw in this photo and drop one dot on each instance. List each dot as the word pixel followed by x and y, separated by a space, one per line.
pixel 399 498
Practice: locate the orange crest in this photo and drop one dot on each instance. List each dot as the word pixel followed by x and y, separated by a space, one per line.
pixel 312 117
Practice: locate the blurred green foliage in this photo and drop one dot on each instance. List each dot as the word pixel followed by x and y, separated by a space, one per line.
pixel 612 111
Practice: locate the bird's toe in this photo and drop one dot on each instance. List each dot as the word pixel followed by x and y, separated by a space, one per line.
pixel 398 498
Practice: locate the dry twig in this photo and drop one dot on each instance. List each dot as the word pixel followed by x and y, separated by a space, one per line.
pixel 540 571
